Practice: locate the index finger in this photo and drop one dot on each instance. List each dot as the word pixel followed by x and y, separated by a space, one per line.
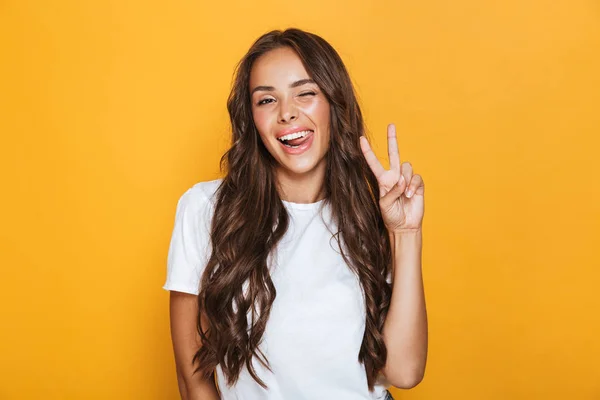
pixel 371 158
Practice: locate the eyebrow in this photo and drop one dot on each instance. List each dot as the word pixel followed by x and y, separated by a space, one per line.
pixel 292 85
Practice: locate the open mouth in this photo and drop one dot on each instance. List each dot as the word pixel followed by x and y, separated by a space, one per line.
pixel 295 140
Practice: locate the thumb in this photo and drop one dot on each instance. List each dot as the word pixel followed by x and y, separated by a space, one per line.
pixel 390 197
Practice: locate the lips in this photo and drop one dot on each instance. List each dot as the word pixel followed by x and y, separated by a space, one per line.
pixel 296 142
pixel 292 130
pixel 303 146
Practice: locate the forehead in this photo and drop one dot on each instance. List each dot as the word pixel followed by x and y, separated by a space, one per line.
pixel 277 68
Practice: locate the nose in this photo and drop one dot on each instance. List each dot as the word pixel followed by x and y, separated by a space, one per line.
pixel 287 112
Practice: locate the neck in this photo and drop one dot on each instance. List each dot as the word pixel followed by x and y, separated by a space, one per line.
pixel 302 188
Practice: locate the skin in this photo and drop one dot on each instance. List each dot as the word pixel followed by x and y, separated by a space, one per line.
pixel 183 310
pixel 405 330
pixel 402 191
pixel 278 104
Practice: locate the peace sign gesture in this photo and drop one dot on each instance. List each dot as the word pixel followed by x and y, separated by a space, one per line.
pixel 401 192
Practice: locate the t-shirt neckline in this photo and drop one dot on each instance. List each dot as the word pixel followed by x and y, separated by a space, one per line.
pixel 303 206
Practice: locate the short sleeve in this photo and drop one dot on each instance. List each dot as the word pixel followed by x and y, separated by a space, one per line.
pixel 189 247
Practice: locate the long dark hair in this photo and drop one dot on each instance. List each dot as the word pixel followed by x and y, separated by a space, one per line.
pixel 249 219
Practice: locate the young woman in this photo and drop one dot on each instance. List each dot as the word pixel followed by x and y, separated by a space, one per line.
pixel 298 274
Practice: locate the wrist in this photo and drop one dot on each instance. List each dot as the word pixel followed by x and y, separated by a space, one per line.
pixel 405 232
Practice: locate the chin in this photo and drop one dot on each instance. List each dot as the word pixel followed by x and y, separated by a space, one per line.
pixel 301 167
pixel 297 170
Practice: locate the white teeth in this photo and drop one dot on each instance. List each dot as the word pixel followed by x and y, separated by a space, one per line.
pixel 294 135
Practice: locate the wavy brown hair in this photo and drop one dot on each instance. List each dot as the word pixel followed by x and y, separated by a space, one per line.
pixel 249 219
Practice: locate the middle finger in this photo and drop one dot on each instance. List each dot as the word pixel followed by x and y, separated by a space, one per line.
pixel 393 152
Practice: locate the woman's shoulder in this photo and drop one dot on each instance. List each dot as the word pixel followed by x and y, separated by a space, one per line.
pixel 200 194
pixel 204 189
pixel 199 197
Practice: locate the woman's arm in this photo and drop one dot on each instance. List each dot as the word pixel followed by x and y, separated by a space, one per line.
pixel 181 385
pixel 402 205
pixel 186 341
pixel 405 328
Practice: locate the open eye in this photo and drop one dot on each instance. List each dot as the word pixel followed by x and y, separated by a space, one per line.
pixel 264 101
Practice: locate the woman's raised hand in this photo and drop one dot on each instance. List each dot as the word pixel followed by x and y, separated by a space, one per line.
pixel 401 191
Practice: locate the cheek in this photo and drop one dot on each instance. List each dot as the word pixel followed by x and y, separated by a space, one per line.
pixel 318 111
pixel 260 120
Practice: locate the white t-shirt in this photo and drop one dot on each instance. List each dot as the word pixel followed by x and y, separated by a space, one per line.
pixel 317 321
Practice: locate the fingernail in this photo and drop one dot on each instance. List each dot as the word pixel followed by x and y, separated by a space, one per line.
pixel 408 193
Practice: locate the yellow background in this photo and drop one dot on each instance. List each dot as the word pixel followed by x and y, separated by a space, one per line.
pixel 110 110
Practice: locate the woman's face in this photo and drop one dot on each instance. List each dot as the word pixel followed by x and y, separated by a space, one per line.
pixel 290 112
